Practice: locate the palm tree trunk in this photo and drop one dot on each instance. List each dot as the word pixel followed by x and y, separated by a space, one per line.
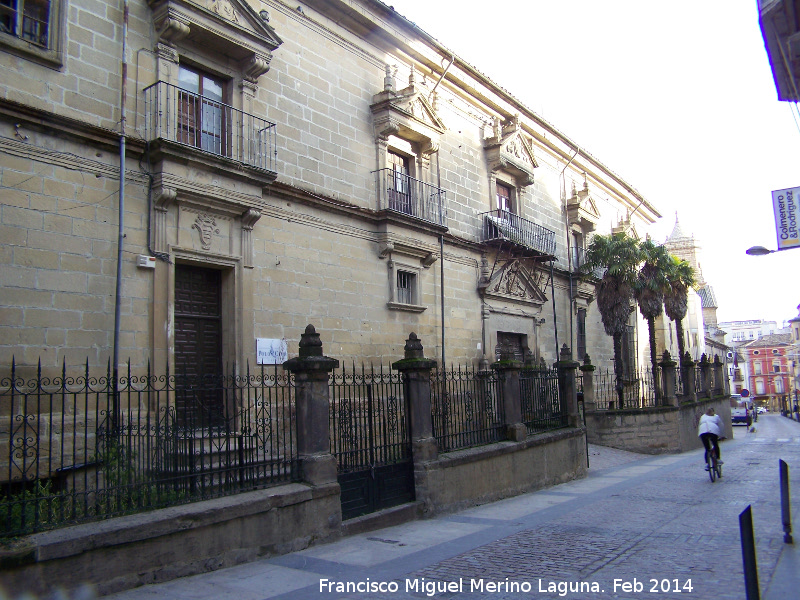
pixel 679 333
pixel 618 372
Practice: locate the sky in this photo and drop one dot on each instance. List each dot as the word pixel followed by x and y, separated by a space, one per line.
pixel 675 97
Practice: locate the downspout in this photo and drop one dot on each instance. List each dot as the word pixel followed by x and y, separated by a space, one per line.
pixel 120 211
pixel 441 214
pixel 447 68
pixel 569 254
pixel 441 249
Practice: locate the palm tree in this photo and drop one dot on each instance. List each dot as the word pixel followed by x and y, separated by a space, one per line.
pixel 619 255
pixel 676 300
pixel 651 287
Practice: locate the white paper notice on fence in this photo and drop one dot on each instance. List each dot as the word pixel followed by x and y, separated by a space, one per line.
pixel 271 351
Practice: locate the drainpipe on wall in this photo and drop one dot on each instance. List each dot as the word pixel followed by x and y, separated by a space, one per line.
pixel 441 248
pixel 120 212
pixel 569 254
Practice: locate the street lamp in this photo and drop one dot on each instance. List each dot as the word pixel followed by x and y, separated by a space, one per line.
pixel 759 251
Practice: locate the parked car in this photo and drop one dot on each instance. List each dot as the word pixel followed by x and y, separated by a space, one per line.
pixel 741 411
pixel 761 410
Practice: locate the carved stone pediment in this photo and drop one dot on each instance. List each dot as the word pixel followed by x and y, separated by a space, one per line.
pixel 510 151
pixel 627 227
pixel 229 27
pixel 407 114
pixel 582 210
pixel 515 283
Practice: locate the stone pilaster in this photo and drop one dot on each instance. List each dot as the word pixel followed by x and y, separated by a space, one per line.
pixel 312 401
pixel 508 371
pixel 416 370
pixel 668 379
pixel 567 388
pixel 587 369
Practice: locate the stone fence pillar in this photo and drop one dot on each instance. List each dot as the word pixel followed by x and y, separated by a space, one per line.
pixel 705 376
pixel 416 370
pixel 719 382
pixel 587 369
pixel 668 376
pixel 567 388
pixel 508 372
pixel 312 401
pixel 689 373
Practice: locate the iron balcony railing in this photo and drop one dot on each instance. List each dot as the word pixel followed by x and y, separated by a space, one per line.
pixel 179 116
pixel 401 193
pixel 501 225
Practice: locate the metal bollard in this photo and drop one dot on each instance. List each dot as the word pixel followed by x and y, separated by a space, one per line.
pixel 786 505
pixel 749 555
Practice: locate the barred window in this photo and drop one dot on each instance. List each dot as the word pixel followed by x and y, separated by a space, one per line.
pixel 406 283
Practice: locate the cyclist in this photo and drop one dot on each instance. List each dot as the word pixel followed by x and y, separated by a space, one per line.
pixel 710 430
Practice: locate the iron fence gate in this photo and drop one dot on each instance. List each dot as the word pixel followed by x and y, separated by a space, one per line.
pixel 371 441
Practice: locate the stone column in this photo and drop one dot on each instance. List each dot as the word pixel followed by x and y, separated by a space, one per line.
pixel 416 370
pixel 668 377
pixel 689 378
pixel 719 385
pixel 587 369
pixel 508 371
pixel 312 402
pixel 567 388
pixel 705 376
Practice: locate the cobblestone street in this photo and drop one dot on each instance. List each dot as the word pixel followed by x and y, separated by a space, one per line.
pixel 655 525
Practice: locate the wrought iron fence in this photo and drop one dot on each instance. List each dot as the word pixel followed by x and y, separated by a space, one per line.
pixel 177 115
pixel 368 421
pixel 79 448
pixel 467 408
pixel 638 391
pixel 402 193
pixel 543 408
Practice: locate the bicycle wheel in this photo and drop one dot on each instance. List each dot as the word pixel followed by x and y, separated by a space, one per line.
pixel 712 467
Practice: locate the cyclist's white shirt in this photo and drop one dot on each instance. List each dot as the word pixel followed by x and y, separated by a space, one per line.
pixel 709 424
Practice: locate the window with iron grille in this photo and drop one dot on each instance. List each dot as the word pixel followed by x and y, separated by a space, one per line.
pixel 406 287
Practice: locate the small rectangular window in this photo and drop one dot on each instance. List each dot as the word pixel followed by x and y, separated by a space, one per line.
pixel 581 333
pixel 28 20
pixel 406 283
pixel 504 198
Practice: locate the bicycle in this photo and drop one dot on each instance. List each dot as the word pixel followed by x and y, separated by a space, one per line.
pixel 712 463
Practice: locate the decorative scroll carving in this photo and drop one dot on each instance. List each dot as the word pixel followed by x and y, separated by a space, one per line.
pixel 171 30
pixel 255 66
pixel 206 226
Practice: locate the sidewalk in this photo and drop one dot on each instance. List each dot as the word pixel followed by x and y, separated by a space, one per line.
pixel 635 522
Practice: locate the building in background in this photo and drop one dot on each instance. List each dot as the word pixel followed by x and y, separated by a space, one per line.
pixel 770 371
pixel 794 324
